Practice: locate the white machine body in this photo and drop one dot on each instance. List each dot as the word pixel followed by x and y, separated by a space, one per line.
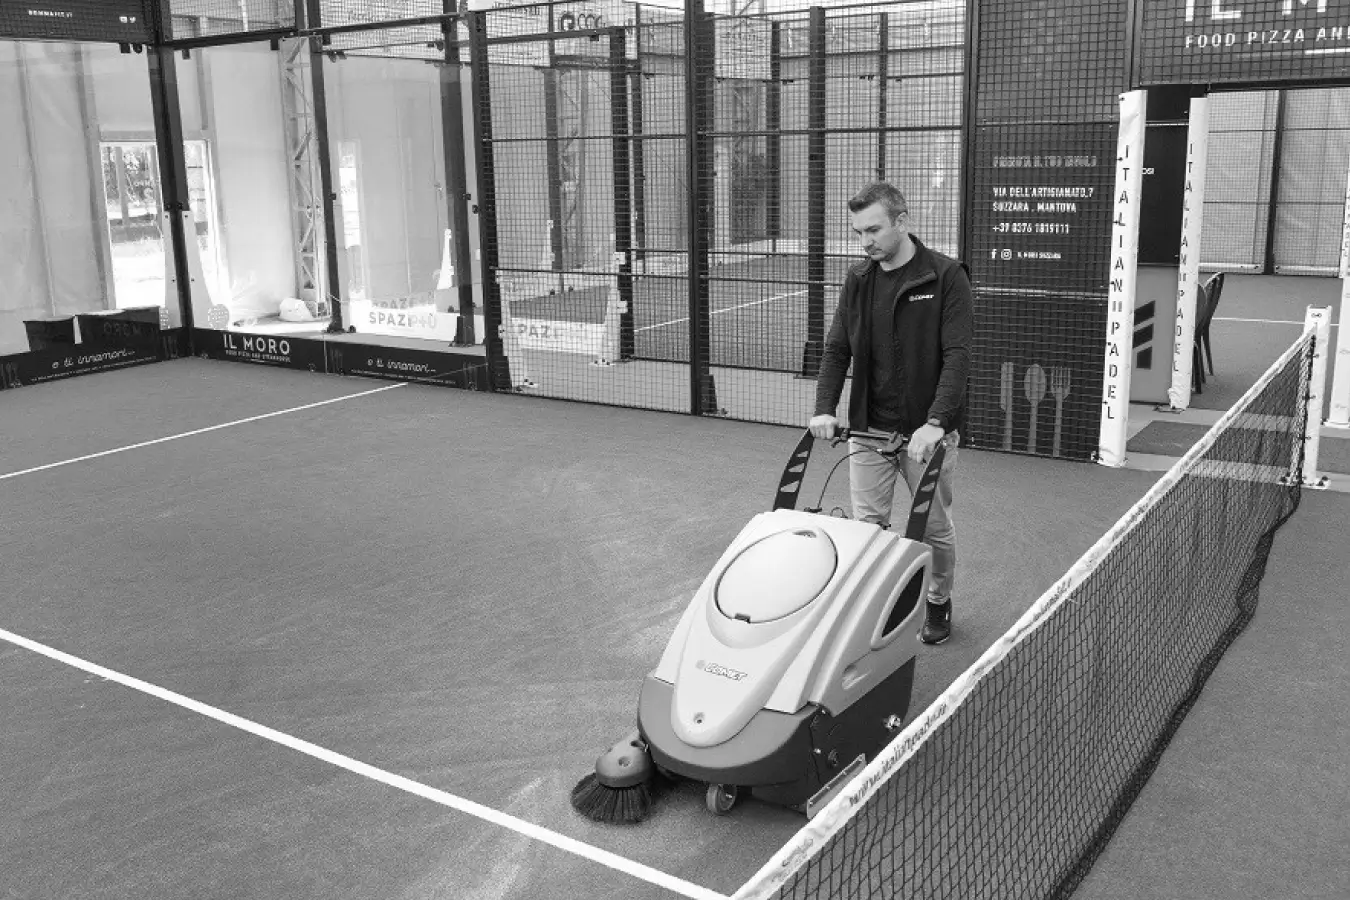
pixel 802 608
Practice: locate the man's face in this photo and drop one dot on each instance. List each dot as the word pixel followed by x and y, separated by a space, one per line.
pixel 881 238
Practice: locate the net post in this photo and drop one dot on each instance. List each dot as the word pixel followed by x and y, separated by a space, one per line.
pixel 1338 406
pixel 1120 296
pixel 1318 321
pixel 1188 272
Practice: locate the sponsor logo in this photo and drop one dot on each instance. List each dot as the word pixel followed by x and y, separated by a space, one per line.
pixel 917 297
pixel 397 365
pixel 797 853
pixel 248 345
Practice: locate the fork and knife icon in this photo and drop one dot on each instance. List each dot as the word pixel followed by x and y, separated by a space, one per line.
pixel 1035 384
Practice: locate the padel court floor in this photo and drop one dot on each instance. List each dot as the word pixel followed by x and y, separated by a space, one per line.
pixel 271 634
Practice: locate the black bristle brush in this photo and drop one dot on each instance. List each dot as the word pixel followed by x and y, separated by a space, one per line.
pixel 619 791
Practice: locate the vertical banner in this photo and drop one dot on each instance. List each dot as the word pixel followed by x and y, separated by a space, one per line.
pixel 1338 412
pixel 1120 295
pixel 1188 272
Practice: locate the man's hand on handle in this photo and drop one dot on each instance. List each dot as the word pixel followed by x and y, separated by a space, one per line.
pixel 923 441
pixel 823 427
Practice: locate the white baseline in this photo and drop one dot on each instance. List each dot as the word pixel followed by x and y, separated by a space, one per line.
pixel 187 434
pixel 505 820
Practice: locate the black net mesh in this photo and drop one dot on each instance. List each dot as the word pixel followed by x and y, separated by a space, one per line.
pixel 1239 166
pixel 728 269
pixel 1313 161
pixel 124 21
pixel 188 19
pixel 1012 782
pixel 1254 41
pixel 1039 224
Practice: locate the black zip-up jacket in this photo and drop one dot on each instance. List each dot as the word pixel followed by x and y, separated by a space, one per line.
pixel 934 322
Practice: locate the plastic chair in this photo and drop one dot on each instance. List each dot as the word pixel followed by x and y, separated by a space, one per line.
pixel 1208 301
pixel 1215 290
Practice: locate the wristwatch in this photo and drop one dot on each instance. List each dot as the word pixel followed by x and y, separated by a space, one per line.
pixel 934 420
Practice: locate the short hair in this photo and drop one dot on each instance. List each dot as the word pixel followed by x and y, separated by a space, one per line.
pixel 883 192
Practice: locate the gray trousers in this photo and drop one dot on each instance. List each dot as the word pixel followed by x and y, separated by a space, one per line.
pixel 872 489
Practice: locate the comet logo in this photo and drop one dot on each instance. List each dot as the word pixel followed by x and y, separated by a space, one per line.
pixel 716 669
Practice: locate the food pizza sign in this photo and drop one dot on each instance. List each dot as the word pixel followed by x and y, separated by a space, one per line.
pixel 1208 41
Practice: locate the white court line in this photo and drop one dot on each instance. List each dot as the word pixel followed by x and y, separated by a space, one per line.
pixel 723 310
pixel 1263 321
pixel 486 813
pixel 174 437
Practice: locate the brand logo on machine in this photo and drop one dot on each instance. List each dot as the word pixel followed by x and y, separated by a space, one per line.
pixel 718 669
pixel 51 13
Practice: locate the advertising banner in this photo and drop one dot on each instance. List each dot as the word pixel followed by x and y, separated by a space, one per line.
pixel 1228 41
pixel 415 316
pixel 263 349
pixel 58 362
pixel 1041 206
pixel 407 364
pixel 120 21
pixel 1124 260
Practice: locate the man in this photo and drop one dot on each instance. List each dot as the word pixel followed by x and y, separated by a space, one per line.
pixel 904 318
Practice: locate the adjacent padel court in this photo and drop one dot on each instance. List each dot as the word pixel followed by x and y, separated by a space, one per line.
pixel 270 633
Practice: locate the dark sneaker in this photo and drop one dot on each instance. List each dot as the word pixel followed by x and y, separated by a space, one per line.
pixel 937 627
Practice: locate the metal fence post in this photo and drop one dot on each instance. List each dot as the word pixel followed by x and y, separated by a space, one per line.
pixel 499 367
pixel 699 58
pixel 815 198
pixel 623 181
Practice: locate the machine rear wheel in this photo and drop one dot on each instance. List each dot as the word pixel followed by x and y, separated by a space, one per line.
pixel 720 798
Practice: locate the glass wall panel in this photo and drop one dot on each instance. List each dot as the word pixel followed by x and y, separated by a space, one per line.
pixel 83 243
pixel 253 182
pixel 387 143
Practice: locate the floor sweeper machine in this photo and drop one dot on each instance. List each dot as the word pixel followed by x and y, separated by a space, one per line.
pixel 792 665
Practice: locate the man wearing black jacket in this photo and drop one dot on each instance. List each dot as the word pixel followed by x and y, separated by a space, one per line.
pixel 904 319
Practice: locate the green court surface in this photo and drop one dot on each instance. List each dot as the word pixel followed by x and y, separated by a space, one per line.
pixel 430 610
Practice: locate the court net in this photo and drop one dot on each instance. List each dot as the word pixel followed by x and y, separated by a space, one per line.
pixel 1013 780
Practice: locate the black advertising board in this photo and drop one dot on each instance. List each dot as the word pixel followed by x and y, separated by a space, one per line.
pixel 459 370
pixel 56 363
pixel 449 369
pixel 1040 221
pixel 284 352
pixel 119 21
pixel 1237 41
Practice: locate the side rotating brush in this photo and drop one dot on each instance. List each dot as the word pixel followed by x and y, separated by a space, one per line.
pixel 619 790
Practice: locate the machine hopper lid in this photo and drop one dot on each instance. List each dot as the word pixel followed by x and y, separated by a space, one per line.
pixel 777 575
